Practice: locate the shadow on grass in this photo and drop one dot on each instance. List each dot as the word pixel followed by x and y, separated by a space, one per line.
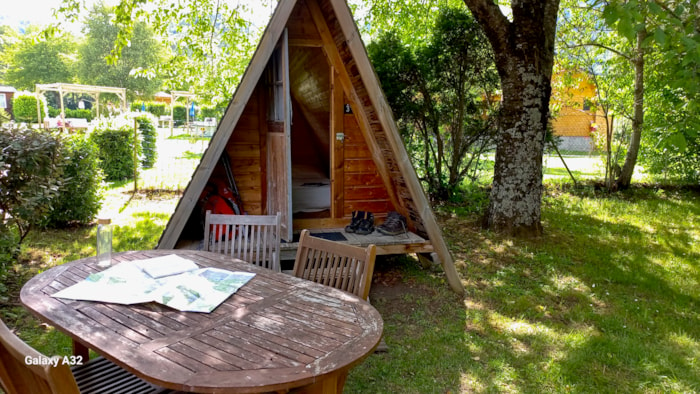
pixel 600 304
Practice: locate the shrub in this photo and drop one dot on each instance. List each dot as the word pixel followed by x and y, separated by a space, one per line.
pixel 179 114
pixel 31 168
pixel 9 246
pixel 211 112
pixel 116 152
pixel 135 106
pixel 152 107
pixel 79 196
pixel 72 113
pixel 79 114
pixel 4 117
pixel 158 109
pixel 148 141
pixel 24 108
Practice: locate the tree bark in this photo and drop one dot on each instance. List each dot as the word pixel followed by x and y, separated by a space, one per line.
pixel 625 178
pixel 524 51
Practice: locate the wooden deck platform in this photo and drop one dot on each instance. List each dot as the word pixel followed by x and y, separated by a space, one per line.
pixel 386 244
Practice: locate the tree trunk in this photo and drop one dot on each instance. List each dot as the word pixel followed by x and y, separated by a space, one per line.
pixel 625 178
pixel 516 194
pixel 524 51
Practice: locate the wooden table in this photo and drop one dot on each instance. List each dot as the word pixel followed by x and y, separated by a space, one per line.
pixel 276 333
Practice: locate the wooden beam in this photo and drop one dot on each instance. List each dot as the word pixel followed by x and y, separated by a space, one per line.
pixel 337 147
pixel 404 249
pixel 306 42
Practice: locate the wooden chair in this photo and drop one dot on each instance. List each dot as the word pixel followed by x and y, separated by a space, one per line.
pixel 252 238
pixel 345 267
pixel 18 375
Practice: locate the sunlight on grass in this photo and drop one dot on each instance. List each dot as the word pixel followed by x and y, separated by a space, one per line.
pixel 606 301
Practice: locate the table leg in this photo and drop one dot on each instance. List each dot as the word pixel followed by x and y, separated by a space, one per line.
pixel 81 350
pixel 332 384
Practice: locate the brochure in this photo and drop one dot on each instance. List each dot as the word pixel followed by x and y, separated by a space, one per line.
pixel 170 280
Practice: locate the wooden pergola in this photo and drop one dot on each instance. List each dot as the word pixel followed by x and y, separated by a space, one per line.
pixel 93 91
pixel 176 94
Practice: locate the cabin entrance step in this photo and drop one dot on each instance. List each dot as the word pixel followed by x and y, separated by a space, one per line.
pixel 386 244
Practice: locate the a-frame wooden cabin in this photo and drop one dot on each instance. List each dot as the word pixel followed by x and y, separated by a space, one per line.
pixel 308 105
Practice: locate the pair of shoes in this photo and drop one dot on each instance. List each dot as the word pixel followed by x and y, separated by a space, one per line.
pixel 362 223
pixel 394 224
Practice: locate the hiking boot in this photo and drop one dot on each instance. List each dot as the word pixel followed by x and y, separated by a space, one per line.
pixel 394 224
pixel 366 224
pixel 357 216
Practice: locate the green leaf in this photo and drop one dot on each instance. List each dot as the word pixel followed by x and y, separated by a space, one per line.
pixel 655 8
pixel 660 36
pixel 611 14
pixel 626 28
pixel 677 140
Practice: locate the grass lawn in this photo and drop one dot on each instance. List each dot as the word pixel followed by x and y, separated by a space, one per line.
pixel 608 300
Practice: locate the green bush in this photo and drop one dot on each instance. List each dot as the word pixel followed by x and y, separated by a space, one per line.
pixel 24 108
pixel 79 114
pixel 152 107
pixel 179 114
pixel 79 196
pixel 135 106
pixel 4 116
pixel 148 141
pixel 72 113
pixel 158 109
pixel 9 246
pixel 211 112
pixel 31 169
pixel 116 152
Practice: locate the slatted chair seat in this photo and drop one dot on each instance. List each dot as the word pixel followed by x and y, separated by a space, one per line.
pixel 345 267
pixel 251 238
pixel 97 376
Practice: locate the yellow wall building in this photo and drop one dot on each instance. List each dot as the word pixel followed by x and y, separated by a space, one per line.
pixel 576 118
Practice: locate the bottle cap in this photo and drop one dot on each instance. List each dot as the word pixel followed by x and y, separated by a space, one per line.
pixel 104 221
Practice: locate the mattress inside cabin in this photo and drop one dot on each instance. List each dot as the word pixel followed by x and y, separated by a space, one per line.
pixel 311 189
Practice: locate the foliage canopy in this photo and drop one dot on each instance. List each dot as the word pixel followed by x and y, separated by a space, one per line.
pixel 442 92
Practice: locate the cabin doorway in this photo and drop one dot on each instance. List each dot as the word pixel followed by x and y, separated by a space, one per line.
pixel 310 89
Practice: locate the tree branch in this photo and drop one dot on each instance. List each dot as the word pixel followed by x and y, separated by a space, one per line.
pixel 492 20
pixel 595 44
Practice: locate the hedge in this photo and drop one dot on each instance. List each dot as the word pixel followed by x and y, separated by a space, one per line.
pixel 24 109
pixel 153 107
pixel 148 141
pixel 72 113
pixel 116 152
pixel 79 195
pixel 179 114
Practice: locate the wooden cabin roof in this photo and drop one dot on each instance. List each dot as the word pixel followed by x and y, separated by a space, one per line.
pixel 326 28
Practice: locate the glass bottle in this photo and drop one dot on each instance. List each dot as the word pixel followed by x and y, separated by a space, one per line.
pixel 104 243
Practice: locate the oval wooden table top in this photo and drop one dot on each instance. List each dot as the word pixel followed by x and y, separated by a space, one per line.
pixel 275 333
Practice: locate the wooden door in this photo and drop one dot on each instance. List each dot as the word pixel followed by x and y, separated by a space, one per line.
pixel 279 163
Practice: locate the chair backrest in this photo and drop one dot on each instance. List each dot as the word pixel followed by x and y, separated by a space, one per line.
pixel 345 267
pixel 251 238
pixel 19 373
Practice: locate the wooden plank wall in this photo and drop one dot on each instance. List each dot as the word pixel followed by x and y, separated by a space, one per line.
pixel 363 186
pixel 247 150
pixel 399 182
